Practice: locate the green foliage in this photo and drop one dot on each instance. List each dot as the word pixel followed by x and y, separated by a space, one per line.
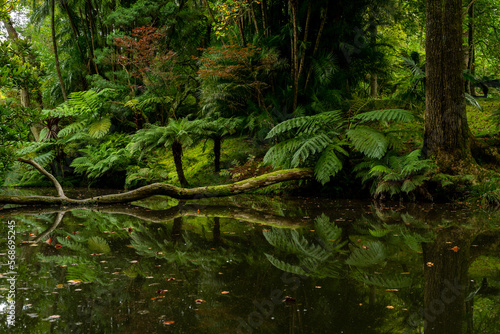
pixel 321 140
pixel 373 254
pixel 394 174
pixel 315 260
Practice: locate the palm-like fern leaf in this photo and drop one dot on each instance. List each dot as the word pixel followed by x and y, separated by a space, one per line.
pixel 100 128
pixel 368 141
pixel 386 115
pixel 372 254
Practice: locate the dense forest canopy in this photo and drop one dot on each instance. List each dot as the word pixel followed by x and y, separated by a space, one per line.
pixel 197 92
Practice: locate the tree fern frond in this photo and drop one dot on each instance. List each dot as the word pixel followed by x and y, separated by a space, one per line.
pixel 368 141
pixel 386 115
pixel 372 254
pixel 327 231
pixel 45 158
pixel 384 281
pixel 309 147
pixel 100 128
pixel 73 128
pixel 328 165
pixel 294 269
pixel 472 102
pixel 98 244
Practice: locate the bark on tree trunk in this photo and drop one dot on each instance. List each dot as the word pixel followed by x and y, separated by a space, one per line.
pixel 54 44
pixel 160 189
pixel 177 153
pixel 446 136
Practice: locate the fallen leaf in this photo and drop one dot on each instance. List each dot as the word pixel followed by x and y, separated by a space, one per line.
pixel 289 299
pixel 58 246
pixel 160 291
pixel 389 307
pixel 318 286
pixel 455 249
pixel 170 279
pixel 391 290
pixel 157 297
pixel 168 322
pixel 59 286
pixel 200 301
pixel 48 241
pixel 430 264
pixel 225 292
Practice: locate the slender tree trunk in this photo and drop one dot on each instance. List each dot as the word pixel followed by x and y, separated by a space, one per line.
pixel 177 153
pixel 13 35
pixel 54 44
pixel 293 6
pixel 324 13
pixel 373 75
pixel 471 50
pixel 217 145
pixel 446 136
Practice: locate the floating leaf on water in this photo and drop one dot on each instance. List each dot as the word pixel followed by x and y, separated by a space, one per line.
pixel 390 307
pixel 58 246
pixel 157 297
pixel 200 301
pixel 429 264
pixel 225 292
pixel 455 249
pixel 59 286
pixel 168 322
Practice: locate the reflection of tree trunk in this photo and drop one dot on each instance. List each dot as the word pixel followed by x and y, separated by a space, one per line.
pixel 446 261
pixel 373 291
pixel 177 153
pixel 217 142
pixel 216 231
pixel 177 229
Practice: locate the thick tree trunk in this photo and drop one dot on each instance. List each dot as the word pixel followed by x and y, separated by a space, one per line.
pixel 447 261
pixel 177 153
pixel 446 136
pixel 54 44
pixel 159 189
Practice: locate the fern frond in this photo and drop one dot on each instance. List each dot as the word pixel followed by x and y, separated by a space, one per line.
pixel 100 128
pixel 285 266
pixel 368 141
pixel 328 164
pixel 383 281
pixel 98 244
pixel 72 128
pixel 372 255
pixel 386 115
pixel 470 100
pixel 45 158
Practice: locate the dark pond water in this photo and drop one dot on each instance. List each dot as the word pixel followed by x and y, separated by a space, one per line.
pixel 250 265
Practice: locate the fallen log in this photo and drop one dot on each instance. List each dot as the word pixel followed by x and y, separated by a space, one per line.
pixel 231 189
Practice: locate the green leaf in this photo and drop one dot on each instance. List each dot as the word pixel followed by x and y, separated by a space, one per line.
pixel 368 141
pixel 100 128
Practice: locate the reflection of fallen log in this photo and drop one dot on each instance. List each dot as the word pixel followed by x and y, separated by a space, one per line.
pixel 158 189
pixel 159 216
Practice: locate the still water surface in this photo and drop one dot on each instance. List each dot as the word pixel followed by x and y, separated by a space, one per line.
pixel 251 264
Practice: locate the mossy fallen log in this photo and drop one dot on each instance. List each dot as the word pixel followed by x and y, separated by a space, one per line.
pixel 239 187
